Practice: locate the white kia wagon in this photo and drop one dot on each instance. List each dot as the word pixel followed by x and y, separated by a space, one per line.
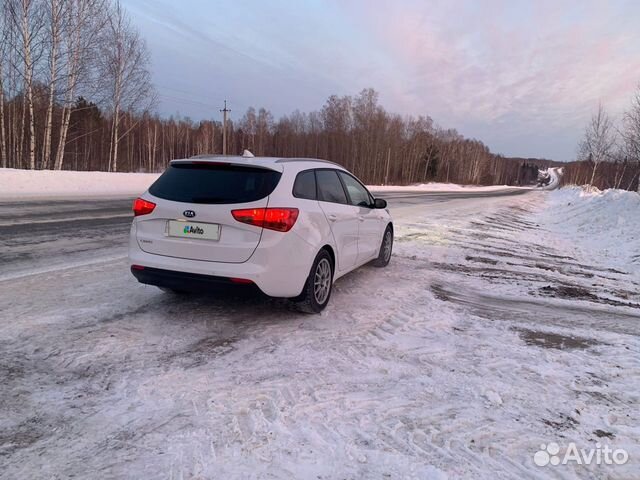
pixel 288 226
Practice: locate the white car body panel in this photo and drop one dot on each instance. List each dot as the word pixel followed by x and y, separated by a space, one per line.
pixel 277 262
pixel 343 223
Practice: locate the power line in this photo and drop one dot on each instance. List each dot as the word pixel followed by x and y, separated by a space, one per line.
pixel 207 101
pixel 186 100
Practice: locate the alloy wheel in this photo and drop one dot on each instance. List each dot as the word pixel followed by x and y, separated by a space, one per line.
pixel 322 281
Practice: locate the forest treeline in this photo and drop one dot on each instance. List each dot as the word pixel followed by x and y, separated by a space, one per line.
pixel 609 152
pixel 352 131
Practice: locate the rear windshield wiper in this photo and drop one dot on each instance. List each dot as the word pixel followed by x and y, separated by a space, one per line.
pixel 209 200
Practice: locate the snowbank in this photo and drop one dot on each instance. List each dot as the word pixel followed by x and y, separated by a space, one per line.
pixel 439 187
pixel 606 222
pixel 24 184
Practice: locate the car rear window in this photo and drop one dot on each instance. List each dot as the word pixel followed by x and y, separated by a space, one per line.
pixel 202 183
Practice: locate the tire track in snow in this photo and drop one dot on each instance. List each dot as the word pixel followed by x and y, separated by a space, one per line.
pixel 60 268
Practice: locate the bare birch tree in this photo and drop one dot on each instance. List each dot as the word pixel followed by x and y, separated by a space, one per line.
pixel 264 126
pixel 55 16
pixel 85 23
pixel 631 131
pixel 124 69
pixel 26 16
pixel 4 40
pixel 599 140
pixel 248 126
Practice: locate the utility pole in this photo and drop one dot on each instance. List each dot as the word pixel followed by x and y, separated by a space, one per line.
pixel 224 111
pixel 386 176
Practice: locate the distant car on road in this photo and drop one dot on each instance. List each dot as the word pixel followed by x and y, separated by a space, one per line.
pixel 291 227
pixel 544 179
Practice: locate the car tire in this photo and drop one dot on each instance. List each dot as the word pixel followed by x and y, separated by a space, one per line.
pixel 317 288
pixel 386 247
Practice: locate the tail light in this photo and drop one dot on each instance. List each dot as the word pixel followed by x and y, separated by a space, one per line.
pixel 142 207
pixel 280 219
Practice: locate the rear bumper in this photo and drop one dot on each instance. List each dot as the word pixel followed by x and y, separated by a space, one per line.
pixel 279 266
pixel 188 281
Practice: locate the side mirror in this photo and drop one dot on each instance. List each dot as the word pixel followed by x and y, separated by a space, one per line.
pixel 379 203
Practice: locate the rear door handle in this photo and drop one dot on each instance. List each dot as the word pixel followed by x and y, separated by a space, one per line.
pixel 361 218
pixel 332 217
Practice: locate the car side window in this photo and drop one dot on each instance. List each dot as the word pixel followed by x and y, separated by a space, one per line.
pixel 358 194
pixel 329 187
pixel 305 185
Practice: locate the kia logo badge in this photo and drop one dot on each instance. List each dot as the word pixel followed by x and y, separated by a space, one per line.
pixel 189 213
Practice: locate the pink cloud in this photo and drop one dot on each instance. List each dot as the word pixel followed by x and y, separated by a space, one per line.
pixel 548 61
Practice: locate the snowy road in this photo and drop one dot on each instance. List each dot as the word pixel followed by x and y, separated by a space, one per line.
pixel 496 327
pixel 45 235
pixel 41 235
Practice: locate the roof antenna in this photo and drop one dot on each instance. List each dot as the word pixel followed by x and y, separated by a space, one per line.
pixel 247 154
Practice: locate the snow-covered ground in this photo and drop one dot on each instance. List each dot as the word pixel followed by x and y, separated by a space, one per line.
pixel 28 184
pixel 501 324
pixel 47 184
pixel 605 224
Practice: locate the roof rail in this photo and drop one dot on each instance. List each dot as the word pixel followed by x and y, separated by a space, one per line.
pixel 211 155
pixel 289 160
pixel 245 154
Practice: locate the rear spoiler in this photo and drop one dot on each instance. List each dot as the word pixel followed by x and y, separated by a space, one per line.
pixel 227 161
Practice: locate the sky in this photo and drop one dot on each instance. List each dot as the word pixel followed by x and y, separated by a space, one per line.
pixel 522 76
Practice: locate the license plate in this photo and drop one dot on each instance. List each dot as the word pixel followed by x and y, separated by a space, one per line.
pixel 201 231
